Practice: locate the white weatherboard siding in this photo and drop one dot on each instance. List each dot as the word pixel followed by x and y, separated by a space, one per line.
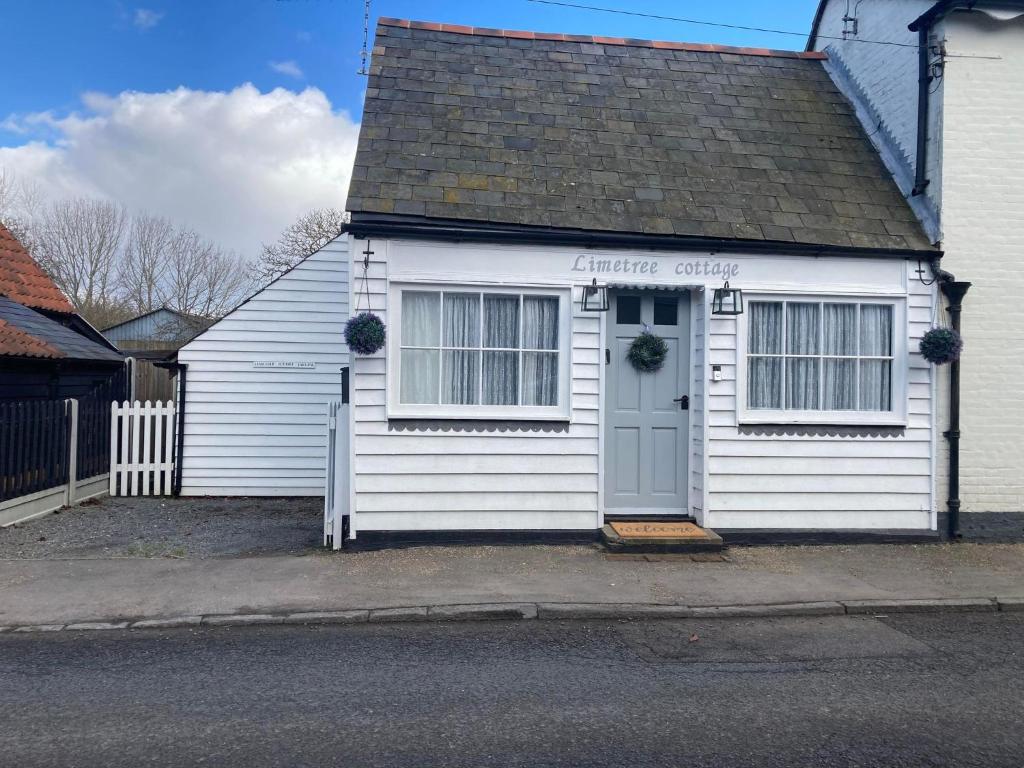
pixel 467 480
pixel 253 424
pixel 439 476
pixel 814 480
pixel 698 401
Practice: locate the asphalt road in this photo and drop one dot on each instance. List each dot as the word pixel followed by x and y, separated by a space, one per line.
pixel 928 690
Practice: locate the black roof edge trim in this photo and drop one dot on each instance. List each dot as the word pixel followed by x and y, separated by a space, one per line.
pixel 812 36
pixel 386 225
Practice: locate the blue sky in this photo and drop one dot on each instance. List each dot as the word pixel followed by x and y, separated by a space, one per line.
pixel 88 75
pixel 66 47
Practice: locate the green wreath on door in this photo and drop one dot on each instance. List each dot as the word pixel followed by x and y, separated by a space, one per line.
pixel 648 351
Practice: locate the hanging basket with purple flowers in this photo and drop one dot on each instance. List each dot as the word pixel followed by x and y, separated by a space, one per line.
pixel 941 346
pixel 364 333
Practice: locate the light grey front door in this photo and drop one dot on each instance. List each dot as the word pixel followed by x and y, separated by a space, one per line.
pixel 646 423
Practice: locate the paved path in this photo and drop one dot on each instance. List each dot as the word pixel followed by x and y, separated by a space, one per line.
pixel 935 690
pixel 66 591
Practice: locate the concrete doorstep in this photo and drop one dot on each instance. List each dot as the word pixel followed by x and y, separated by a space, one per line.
pixel 545 611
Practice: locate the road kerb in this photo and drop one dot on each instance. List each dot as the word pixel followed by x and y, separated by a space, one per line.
pixel 83 626
pixel 408 613
pixel 548 611
pixel 328 617
pixel 169 623
pixel 822 608
pixel 241 619
pixel 482 612
pixel 1010 604
pixel 611 611
pixel 955 604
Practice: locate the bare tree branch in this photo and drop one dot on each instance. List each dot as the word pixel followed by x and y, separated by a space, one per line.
pixel 78 242
pixel 306 236
pixel 114 266
pixel 146 255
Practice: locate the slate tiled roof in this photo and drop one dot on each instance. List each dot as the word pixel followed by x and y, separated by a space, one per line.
pixel 24 281
pixel 618 135
pixel 17 343
pixel 27 333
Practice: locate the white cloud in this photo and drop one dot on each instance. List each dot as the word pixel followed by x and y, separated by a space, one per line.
pixel 144 18
pixel 236 166
pixel 289 68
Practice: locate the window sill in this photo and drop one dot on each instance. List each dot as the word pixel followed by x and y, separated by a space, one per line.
pixel 481 414
pixel 825 420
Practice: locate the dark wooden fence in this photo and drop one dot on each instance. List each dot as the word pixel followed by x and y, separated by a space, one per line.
pixel 33 446
pixel 94 426
pixel 150 382
pixel 35 434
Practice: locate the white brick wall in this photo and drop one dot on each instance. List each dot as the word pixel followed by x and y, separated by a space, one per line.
pixel 983 226
pixel 976 168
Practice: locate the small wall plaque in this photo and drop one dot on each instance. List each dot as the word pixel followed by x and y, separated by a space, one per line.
pixel 281 364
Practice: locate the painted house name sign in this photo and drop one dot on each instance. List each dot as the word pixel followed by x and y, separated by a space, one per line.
pixel 282 364
pixel 602 265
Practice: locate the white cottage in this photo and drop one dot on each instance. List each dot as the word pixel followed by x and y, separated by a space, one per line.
pixel 503 177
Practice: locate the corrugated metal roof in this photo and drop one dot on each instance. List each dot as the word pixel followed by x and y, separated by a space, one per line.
pixel 25 281
pixel 163 324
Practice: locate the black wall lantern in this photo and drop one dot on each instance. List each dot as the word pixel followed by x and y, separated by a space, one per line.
pixel 727 301
pixel 595 297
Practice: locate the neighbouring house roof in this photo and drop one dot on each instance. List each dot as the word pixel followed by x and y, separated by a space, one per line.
pixel 24 332
pixel 191 319
pixel 25 281
pixel 617 135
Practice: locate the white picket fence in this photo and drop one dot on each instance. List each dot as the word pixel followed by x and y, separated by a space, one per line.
pixel 141 448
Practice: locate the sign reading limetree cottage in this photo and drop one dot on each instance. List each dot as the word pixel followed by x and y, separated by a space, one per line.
pixel 705 268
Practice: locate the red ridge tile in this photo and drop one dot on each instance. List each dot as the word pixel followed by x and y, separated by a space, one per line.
pixel 670 45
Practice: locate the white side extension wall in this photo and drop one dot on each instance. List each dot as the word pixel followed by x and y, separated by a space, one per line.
pixel 258 384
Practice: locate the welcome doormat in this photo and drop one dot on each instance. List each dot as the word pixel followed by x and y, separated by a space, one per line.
pixel 641 530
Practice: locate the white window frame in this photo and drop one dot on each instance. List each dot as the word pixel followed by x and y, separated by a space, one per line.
pixel 899 375
pixel 399 410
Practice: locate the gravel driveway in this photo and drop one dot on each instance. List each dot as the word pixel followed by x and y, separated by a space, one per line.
pixel 194 527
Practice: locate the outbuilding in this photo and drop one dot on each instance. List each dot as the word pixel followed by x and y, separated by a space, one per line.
pixel 527 206
pixel 254 386
pixel 47 350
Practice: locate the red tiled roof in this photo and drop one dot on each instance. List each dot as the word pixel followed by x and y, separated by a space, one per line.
pixel 24 281
pixel 15 342
pixel 663 44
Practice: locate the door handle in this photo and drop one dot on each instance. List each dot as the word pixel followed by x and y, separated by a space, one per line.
pixel 684 402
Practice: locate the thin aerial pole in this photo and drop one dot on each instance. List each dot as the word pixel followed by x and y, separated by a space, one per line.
pixel 366 36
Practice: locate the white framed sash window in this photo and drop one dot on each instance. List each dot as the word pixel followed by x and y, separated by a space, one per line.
pixel 463 351
pixel 822 360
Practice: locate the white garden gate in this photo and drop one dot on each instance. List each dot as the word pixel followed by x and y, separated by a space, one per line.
pixel 142 442
pixel 337 513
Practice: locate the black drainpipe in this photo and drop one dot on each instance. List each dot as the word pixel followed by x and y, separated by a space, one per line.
pixel 954 291
pixel 923 81
pixel 180 442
